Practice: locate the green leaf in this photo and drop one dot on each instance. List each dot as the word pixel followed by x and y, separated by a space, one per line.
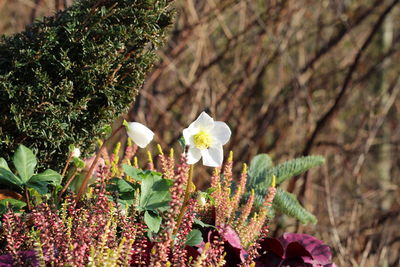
pixel 294 167
pixel 39 186
pixel 152 220
pixel 48 176
pixel 288 204
pixel 182 142
pixel 125 186
pixel 282 172
pixel 79 163
pixel 25 162
pixel 3 164
pixel 154 192
pixel 259 166
pixel 15 205
pixel 8 178
pixel 202 224
pixel 132 172
pixel 194 238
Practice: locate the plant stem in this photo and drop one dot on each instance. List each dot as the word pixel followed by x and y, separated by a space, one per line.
pixel 27 198
pixel 67 184
pixel 89 173
pixel 185 200
pixel 67 164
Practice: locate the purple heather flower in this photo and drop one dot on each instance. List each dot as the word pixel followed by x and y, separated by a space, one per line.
pixel 294 250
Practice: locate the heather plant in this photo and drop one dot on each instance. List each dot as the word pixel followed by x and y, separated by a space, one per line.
pixel 65 78
pixel 139 212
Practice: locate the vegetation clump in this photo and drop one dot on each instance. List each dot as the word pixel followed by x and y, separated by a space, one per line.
pixel 65 78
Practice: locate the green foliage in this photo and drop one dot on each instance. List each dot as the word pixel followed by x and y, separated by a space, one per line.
pixel 194 238
pixel 260 175
pixel 288 204
pixel 154 195
pixel 64 79
pixel 14 204
pixel 25 163
pixel 259 166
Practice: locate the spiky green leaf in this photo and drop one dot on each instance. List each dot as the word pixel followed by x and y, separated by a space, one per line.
pixel 288 204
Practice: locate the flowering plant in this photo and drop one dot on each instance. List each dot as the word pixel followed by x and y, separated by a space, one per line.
pixel 139 213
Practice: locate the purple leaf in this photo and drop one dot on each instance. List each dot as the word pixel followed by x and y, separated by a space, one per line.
pixel 320 252
pixel 273 245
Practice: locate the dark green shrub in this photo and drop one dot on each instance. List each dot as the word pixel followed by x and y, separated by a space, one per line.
pixel 64 79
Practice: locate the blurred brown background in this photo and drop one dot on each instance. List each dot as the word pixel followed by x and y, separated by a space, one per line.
pixel 290 78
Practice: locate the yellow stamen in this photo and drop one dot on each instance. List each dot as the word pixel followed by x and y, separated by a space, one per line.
pixel 202 140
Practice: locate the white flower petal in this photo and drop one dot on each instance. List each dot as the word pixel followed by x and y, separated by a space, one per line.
pixel 213 156
pixel 221 132
pixel 139 134
pixel 204 121
pixel 193 155
pixel 188 135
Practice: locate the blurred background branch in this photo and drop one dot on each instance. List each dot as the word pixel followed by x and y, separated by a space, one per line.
pixel 290 78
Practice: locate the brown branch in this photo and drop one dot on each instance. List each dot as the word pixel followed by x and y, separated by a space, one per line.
pixel 326 118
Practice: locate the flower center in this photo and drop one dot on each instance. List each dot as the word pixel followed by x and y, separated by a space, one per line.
pixel 202 140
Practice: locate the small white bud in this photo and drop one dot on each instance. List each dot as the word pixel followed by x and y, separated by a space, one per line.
pixel 76 153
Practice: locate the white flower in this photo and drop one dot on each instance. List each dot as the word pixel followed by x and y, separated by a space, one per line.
pixel 76 153
pixel 139 133
pixel 205 138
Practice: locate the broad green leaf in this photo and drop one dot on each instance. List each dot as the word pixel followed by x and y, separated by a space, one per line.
pixel 288 204
pixel 132 172
pixel 152 220
pixel 8 178
pixel 3 164
pixel 194 238
pixel 39 186
pixel 79 163
pixel 124 186
pixel 25 162
pixel 48 176
pixel 154 192
pixel 15 205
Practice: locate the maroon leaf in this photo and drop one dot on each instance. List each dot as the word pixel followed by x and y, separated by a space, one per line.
pixel 273 245
pixel 320 252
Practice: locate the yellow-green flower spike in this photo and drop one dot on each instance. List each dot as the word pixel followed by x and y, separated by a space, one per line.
pixel 244 169
pixel 116 152
pixel 230 158
pixel 171 153
pixel 273 182
pixel 129 142
pixel 135 162
pixel 149 156
pixel 125 123
pixel 160 151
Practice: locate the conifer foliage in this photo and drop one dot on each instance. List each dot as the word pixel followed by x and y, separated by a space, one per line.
pixel 65 78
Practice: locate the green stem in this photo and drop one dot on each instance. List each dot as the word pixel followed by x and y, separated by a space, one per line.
pixel 89 173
